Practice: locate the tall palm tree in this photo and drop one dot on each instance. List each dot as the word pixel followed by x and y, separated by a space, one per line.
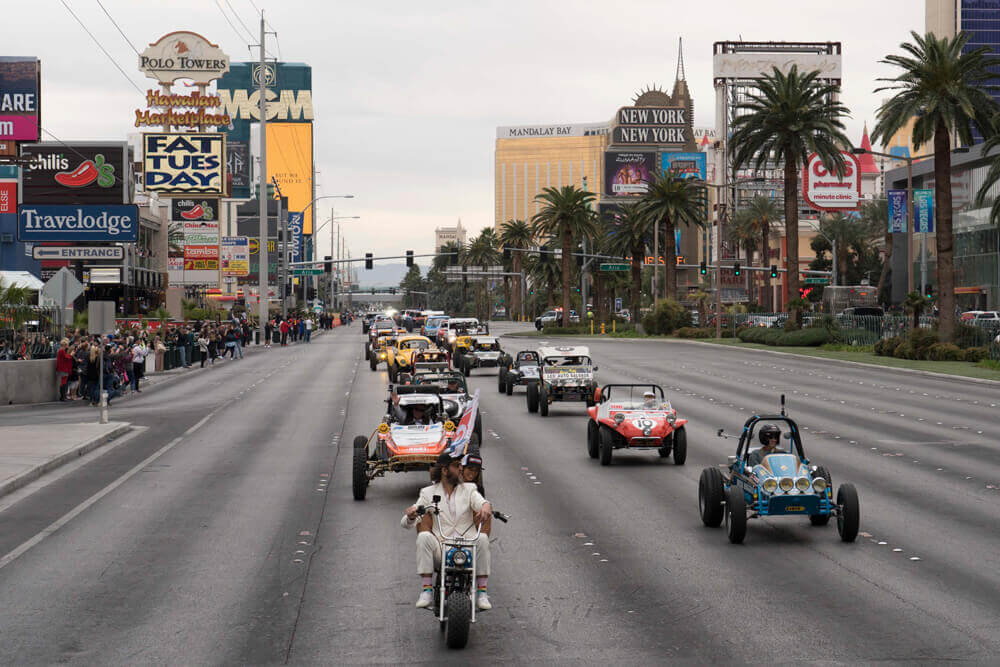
pixel 948 93
pixel 630 228
pixel 849 232
pixel 516 234
pixel 762 211
pixel 788 117
pixel 546 270
pixel 565 215
pixel 481 252
pixel 673 200
pixel 743 231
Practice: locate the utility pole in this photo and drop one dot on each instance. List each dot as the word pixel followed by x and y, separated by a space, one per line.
pixel 262 196
pixel 283 249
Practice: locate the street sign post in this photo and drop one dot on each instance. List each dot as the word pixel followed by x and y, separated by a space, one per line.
pixel 618 304
pixel 307 272
pixel 616 267
pixel 101 320
pixel 817 281
pixel 77 253
pixel 63 288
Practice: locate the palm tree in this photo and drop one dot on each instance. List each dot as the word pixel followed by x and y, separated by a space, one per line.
pixel 13 295
pixel 565 215
pixel 546 270
pixel 516 234
pixel 629 230
pixel 743 231
pixel 481 252
pixel 761 212
pixel 673 199
pixel 788 117
pixel 948 93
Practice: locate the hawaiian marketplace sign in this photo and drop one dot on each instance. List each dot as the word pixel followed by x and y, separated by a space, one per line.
pixel 183 55
pixel 194 110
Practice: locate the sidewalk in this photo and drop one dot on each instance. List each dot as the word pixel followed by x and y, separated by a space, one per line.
pixel 29 451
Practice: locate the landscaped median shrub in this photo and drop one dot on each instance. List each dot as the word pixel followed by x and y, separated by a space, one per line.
pixel 812 336
pixel 887 346
pixel 695 332
pixel 945 352
pixel 976 354
pixel 667 317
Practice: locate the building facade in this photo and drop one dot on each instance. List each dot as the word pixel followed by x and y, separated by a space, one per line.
pixel 530 158
pixel 446 235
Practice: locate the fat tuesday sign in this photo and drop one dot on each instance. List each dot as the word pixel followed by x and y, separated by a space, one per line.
pixel 660 126
pixel 184 163
pixel 183 55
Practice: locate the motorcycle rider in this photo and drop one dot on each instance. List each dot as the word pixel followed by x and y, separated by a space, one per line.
pixel 461 508
pixel 770 436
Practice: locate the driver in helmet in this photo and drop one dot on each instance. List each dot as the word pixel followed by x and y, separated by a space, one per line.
pixel 452 387
pixel 770 436
pixel 649 401
pixel 417 415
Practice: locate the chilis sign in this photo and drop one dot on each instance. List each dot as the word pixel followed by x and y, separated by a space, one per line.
pixel 79 173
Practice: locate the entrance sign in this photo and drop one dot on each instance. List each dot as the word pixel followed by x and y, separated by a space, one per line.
pixel 78 252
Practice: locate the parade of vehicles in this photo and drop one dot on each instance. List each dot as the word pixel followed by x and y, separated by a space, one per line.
pixel 634 417
pixel 476 351
pixel 458 401
pixel 522 369
pixel 565 375
pixel 432 324
pixel 455 328
pixel 398 444
pixel 454 580
pixel 379 341
pixel 400 353
pixel 778 483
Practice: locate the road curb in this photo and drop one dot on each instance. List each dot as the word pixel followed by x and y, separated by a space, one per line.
pixel 31 475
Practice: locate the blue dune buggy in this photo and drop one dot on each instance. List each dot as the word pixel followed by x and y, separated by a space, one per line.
pixel 779 483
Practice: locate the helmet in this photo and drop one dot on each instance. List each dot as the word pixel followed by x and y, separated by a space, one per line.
pixel 767 431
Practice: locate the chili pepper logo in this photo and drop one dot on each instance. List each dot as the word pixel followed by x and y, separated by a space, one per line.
pixel 202 210
pixel 89 171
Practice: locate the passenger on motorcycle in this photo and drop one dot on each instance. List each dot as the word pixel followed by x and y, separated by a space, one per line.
pixel 462 507
pixel 472 472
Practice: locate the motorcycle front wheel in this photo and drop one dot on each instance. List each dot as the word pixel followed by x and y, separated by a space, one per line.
pixel 458 611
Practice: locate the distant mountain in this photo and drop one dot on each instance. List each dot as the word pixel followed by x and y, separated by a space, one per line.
pixel 384 275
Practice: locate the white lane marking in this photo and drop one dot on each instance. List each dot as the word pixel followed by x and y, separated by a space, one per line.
pixel 82 507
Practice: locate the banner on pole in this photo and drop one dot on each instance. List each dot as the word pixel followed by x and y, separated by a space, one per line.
pixel 897 210
pixel 923 210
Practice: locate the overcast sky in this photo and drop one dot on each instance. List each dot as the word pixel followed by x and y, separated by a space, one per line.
pixel 408 95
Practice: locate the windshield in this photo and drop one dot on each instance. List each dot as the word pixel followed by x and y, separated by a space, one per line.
pixel 435 321
pixel 443 382
pixel 567 361
pixel 415 345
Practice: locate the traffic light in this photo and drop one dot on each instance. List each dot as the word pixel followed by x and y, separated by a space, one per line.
pixel 774 270
pixel 368 261
pixel 373 291
pixel 327 264
pixel 506 254
pixel 703 268
pixel 409 258
pixel 736 269
pixel 929 291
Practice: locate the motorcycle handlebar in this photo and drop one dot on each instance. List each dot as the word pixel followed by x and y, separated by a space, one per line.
pixel 500 515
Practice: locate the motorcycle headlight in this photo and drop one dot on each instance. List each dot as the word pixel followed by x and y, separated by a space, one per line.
pixel 770 485
pixel 786 484
pixel 460 557
pixel 819 485
pixel 802 484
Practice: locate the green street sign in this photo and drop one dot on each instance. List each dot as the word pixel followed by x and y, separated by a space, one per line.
pixel 307 272
pixel 615 267
pixel 819 280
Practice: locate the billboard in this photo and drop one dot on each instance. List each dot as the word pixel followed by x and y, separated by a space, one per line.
pixel 184 164
pixel 897 210
pixel 248 224
pixel 690 165
pixel 19 98
pixel 754 65
pixel 78 223
pixel 827 191
pixel 195 209
pixel 923 211
pixel 627 173
pixel 234 256
pixel 238 168
pixel 295 235
pixel 183 55
pixel 290 163
pixel 77 173
pixel 661 126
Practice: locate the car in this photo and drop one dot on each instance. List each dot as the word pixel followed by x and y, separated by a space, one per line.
pixel 565 374
pixel 460 399
pixel 432 324
pixel 377 351
pixel 401 352
pixel 555 317
pixel 453 328
pixel 622 419
pixel 408 319
pixel 779 484
pixel 476 352
pixel 970 315
pixel 395 446
pixel 522 369
pixel 989 319
pixel 375 330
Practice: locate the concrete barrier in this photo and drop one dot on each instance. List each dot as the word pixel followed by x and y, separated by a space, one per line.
pixel 23 382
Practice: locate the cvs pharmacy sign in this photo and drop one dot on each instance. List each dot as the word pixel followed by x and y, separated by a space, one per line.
pixel 824 190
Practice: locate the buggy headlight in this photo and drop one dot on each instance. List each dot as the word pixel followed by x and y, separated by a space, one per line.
pixel 383 428
pixel 449 425
pixel 819 485
pixel 802 484
pixel 770 485
pixel 786 484
pixel 619 418
pixel 671 418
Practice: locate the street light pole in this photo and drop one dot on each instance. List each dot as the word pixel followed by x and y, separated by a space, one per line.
pixel 262 310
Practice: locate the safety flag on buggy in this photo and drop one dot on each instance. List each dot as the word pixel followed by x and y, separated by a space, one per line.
pixel 464 431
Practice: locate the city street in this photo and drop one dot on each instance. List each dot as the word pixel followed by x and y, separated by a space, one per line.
pixel 223 530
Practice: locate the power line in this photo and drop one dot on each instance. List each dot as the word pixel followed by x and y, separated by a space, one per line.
pixel 228 4
pixel 226 16
pixel 101 47
pixel 127 41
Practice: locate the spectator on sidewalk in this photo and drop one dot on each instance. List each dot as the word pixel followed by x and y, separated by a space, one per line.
pixel 284 332
pixel 213 346
pixel 139 352
pixel 159 350
pixel 268 332
pixel 93 373
pixel 64 367
pixel 308 328
pixel 203 347
pixel 230 341
pixel 238 332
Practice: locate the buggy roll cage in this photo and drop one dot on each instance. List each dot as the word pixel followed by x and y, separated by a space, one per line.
pixel 606 393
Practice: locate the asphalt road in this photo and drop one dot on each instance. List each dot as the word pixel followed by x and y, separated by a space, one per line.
pixel 240 542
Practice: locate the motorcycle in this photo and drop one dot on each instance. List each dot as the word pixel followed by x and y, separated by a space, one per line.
pixel 454 582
